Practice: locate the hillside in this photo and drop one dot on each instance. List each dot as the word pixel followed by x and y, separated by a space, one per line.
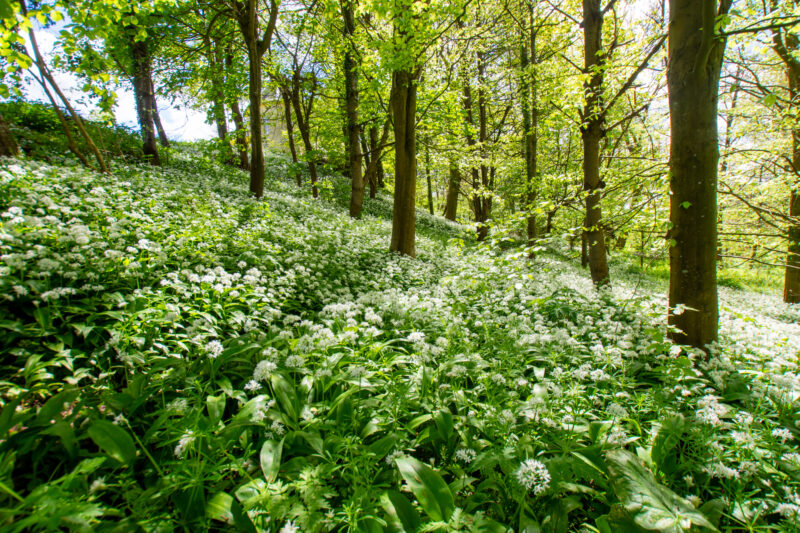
pixel 177 355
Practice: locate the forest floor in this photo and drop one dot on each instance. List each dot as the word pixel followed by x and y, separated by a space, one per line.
pixel 176 355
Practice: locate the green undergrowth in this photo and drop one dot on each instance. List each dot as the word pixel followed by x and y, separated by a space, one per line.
pixel 179 356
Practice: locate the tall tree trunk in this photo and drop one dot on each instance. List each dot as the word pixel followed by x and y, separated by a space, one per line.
pixel 8 144
pixel 484 199
pixel 287 114
pixel 786 44
pixel 145 100
pixel 304 126
pixel 593 118
pixel 163 140
pixel 428 177
pixel 476 202
pixel 530 119
pixel 404 111
pixel 247 16
pixel 351 107
pixel 695 60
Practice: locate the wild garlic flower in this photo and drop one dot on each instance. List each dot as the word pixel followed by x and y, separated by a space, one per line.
pixel 533 475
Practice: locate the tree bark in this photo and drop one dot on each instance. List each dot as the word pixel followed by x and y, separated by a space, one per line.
pixel 303 116
pixel 592 130
pixel 695 60
pixel 530 120
pixel 404 111
pixel 238 121
pixel 287 113
pixel 453 186
pixel 246 13
pixel 145 100
pixel 374 173
pixel 163 140
pixel 428 178
pixel 351 107
pixel 8 144
pixel 786 45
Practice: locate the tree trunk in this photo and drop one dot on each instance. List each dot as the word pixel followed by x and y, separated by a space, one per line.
pixel 404 110
pixel 145 100
pixel 695 60
pixel 786 44
pixel 238 121
pixel 428 178
pixel 791 282
pixel 287 114
pixel 8 144
pixel 530 119
pixel 591 132
pixel 163 140
pixel 484 199
pixel 248 18
pixel 351 107
pixel 451 200
pixel 374 174
pixel 305 130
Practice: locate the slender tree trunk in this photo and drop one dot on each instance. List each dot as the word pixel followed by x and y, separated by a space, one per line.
pixel 453 186
pixel 351 107
pixel 71 144
pixel 428 177
pixel 591 133
pixel 374 174
pixel 163 140
pixel 695 60
pixel 8 144
pixel 530 119
pixel 238 121
pixel 484 199
pixel 476 203
pixel 145 101
pixel 46 78
pixel 791 285
pixel 404 111
pixel 305 130
pixel 287 114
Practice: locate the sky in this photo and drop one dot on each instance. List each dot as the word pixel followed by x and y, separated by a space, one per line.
pixel 180 122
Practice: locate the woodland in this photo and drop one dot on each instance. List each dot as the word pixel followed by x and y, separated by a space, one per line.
pixel 472 265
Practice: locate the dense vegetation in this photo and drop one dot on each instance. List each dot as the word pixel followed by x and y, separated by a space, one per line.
pixel 275 331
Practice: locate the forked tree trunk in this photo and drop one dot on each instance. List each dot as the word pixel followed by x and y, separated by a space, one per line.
pixel 351 106
pixel 591 132
pixel 453 186
pixel 247 16
pixel 695 60
pixel 145 100
pixel 404 111
pixel 8 144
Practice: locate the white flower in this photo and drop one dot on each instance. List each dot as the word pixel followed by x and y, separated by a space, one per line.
pixel 186 439
pixel 466 455
pixel 533 475
pixel 263 370
pixel 289 527
pixel 252 385
pixel 782 433
pixel 214 348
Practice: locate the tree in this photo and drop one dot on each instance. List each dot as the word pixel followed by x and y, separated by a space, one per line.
pixel 695 60
pixel 247 15
pixel 350 68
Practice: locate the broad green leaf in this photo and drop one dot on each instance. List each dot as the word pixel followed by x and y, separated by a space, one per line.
pixel 113 440
pixel 216 407
pixel 286 396
pixel 271 459
pixel 402 515
pixel 653 506
pixel 428 486
pixel 225 508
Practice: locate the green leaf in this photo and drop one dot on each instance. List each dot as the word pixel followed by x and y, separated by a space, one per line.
pixel 653 506
pixel 402 515
pixel 286 396
pixel 216 407
pixel 6 10
pixel 225 508
pixel 113 440
pixel 428 486
pixel 271 459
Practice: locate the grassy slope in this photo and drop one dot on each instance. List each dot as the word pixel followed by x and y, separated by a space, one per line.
pixel 171 346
